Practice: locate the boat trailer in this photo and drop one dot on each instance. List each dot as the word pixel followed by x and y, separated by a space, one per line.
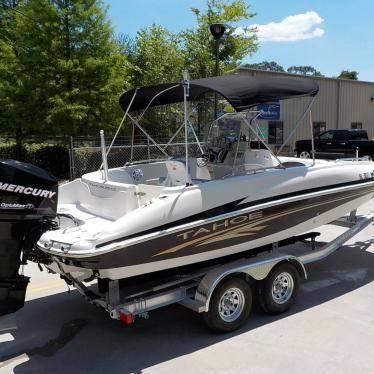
pixel 223 293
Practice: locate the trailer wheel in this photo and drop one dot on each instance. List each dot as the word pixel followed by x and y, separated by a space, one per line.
pixel 277 293
pixel 229 306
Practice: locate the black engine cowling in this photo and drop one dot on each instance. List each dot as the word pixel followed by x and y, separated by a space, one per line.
pixel 28 204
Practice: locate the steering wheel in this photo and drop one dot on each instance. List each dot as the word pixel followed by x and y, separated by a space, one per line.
pixel 203 161
pixel 210 156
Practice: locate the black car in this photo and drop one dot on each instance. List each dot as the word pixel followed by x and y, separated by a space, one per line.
pixel 337 144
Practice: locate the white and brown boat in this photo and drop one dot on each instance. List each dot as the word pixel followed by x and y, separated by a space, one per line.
pixel 155 215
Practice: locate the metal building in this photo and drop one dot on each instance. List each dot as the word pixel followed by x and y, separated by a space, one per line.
pixel 341 103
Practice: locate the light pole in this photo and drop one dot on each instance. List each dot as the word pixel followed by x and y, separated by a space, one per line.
pixel 217 30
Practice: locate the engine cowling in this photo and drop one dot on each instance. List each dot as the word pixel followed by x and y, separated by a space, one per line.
pixel 28 204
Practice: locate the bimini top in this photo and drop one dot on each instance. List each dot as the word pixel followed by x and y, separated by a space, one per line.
pixel 242 92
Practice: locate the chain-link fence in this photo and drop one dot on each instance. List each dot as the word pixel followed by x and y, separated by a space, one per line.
pixel 85 153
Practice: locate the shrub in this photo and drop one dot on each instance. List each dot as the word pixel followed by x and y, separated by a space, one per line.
pixel 53 158
pixel 10 150
pixel 87 160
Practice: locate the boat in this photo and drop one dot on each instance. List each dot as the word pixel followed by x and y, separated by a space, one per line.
pixel 150 216
pixel 237 195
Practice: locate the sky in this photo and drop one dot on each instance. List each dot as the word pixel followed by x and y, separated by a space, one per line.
pixel 330 35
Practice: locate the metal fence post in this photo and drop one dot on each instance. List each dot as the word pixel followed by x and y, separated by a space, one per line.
pixel 71 159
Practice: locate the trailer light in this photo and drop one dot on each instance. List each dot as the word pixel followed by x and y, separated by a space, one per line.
pixel 127 319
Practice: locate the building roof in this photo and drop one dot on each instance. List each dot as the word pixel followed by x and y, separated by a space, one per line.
pixel 285 74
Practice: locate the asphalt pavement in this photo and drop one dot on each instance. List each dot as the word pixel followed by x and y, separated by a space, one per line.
pixel 330 329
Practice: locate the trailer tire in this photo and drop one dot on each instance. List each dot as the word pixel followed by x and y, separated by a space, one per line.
pixel 229 305
pixel 278 291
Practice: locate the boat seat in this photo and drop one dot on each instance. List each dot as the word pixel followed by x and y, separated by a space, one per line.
pixel 109 200
pixel 120 176
pixel 176 175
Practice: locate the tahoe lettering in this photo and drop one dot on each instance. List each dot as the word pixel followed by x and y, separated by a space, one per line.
pixel 220 225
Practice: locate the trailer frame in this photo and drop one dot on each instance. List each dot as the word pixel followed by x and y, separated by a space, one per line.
pixel 194 290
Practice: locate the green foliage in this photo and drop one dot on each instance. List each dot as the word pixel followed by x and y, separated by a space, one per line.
pixel 304 70
pixel 199 45
pixel 156 56
pixel 53 158
pixel 12 151
pixel 266 65
pixel 349 74
pixel 62 70
pixel 62 73
pixel 86 158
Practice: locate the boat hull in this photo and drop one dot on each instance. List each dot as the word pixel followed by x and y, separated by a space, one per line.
pixel 246 227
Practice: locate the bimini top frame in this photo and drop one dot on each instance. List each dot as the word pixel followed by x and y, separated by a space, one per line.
pixel 242 92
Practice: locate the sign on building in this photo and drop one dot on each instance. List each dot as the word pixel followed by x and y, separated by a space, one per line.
pixel 269 111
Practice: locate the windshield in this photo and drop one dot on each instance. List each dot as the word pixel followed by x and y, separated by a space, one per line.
pixel 230 127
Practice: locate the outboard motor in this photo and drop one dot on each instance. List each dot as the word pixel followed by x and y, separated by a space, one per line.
pixel 28 204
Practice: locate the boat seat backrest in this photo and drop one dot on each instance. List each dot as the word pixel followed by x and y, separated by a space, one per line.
pixel 108 200
pixel 176 173
pixel 120 176
pixel 147 173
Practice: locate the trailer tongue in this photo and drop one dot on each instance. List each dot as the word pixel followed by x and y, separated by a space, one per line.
pixel 28 203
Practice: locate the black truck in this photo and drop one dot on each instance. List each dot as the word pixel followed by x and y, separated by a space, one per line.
pixel 337 144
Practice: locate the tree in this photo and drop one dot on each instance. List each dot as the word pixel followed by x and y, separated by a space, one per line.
pixel 156 56
pixel 62 69
pixel 199 45
pixel 68 74
pixel 7 9
pixel 9 70
pixel 348 74
pixel 304 70
pixel 266 65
